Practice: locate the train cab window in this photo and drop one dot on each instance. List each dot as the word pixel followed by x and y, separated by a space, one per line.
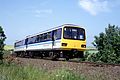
pixel 67 33
pixel 81 34
pixel 74 33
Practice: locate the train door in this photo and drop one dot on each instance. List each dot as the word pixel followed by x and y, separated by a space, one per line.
pixel 26 44
pixel 54 36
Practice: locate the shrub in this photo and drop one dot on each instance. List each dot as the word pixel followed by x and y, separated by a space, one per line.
pixel 2 39
pixel 108 45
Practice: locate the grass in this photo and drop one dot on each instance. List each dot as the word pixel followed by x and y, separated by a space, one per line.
pixel 17 72
pixel 8 47
pixel 64 74
pixel 91 49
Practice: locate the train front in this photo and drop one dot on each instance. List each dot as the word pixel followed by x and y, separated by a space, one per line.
pixel 73 41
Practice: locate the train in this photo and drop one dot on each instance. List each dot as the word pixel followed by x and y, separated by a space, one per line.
pixel 65 41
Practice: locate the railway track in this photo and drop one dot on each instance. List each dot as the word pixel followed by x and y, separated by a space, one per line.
pixel 94 64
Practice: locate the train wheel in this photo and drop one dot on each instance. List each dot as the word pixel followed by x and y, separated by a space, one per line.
pixel 53 56
pixel 31 55
pixel 67 58
pixel 22 54
pixel 41 56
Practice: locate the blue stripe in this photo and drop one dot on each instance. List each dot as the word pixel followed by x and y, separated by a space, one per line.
pixel 42 43
pixel 21 46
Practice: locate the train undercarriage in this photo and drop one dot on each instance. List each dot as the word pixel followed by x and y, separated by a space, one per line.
pixel 51 54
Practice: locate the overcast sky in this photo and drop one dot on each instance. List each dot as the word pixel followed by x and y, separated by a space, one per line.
pixel 20 18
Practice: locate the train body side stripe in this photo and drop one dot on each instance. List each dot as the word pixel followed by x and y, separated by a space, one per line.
pixel 42 43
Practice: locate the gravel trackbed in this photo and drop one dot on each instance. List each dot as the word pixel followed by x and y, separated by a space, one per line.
pixel 91 72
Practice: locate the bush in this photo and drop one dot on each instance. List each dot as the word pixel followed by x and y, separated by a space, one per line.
pixel 2 39
pixel 108 45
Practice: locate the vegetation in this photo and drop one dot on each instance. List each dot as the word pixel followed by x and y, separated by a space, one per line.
pixel 17 72
pixel 2 39
pixel 8 47
pixel 108 45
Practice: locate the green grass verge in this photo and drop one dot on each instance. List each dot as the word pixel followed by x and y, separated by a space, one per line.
pixel 8 47
pixel 15 72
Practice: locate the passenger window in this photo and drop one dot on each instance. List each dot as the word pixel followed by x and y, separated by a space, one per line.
pixel 37 38
pixel 54 35
pixel 49 36
pixel 57 34
pixel 59 31
pixel 41 37
pixel 45 36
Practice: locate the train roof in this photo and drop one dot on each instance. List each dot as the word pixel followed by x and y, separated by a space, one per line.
pixel 44 31
pixel 54 28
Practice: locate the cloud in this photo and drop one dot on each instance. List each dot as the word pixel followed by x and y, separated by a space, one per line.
pixel 94 6
pixel 40 13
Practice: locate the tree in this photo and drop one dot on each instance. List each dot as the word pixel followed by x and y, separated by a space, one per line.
pixel 108 45
pixel 2 39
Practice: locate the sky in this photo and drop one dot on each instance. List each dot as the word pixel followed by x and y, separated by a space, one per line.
pixel 20 18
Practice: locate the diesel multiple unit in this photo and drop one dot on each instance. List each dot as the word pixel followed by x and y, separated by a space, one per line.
pixel 65 41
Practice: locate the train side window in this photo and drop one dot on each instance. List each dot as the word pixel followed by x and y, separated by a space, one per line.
pixel 20 43
pixel 41 37
pixel 59 31
pixel 49 36
pixel 45 36
pixel 37 38
pixel 31 40
pixel 28 41
pixel 54 35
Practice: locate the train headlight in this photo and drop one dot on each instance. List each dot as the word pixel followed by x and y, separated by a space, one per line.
pixel 83 46
pixel 64 44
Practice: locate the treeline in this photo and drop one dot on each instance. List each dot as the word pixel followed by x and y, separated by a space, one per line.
pixel 108 46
